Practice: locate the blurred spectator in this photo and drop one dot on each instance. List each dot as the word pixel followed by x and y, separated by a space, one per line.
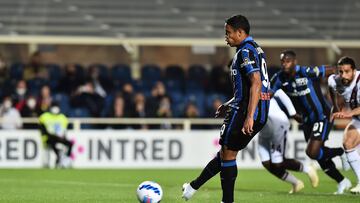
pixel 10 116
pixel 128 95
pixel 140 109
pixel 71 80
pixel 164 111
pixel 153 102
pixel 86 97
pixel 44 100
pixel 36 68
pixel 4 74
pixel 102 85
pixel 30 111
pixel 191 111
pixel 20 95
pixel 6 83
pixel 119 110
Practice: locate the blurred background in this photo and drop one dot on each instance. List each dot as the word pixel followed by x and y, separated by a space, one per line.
pixel 149 64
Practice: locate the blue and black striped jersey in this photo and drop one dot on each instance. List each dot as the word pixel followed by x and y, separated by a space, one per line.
pixel 249 58
pixel 304 91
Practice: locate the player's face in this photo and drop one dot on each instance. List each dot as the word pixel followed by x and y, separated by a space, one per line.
pixel 232 37
pixel 287 64
pixel 346 74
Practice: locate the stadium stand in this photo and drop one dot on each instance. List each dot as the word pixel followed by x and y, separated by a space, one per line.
pixel 321 19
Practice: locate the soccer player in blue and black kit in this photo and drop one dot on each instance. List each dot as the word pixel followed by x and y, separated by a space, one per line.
pixel 302 85
pixel 245 114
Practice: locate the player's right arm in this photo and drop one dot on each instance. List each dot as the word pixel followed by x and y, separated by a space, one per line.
pixel 220 112
pixel 286 101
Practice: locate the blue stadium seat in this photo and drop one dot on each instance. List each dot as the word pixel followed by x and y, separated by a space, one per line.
pixel 197 72
pixel 64 102
pixel 174 85
pixel 175 72
pixel 177 103
pixel 16 71
pixel 198 98
pixel 121 74
pixel 103 70
pixel 80 113
pixel 55 74
pixel 151 73
pixel 34 85
pixel 198 78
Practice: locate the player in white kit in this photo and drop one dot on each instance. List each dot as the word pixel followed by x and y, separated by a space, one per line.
pixel 346 84
pixel 272 144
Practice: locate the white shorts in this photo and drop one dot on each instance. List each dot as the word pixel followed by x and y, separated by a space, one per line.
pixel 272 139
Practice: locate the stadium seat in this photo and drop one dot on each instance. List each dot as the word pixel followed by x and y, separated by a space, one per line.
pixel 34 85
pixel 198 98
pixel 64 102
pixel 177 103
pixel 175 72
pixel 103 70
pixel 151 73
pixel 121 74
pixel 55 74
pixel 16 71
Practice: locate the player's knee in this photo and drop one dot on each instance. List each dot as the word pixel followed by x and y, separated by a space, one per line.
pixel 277 169
pixel 312 154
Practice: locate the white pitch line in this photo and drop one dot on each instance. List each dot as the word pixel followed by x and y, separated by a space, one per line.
pixel 64 182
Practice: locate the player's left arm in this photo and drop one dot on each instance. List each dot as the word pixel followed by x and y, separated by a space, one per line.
pixel 322 71
pixel 255 90
pixel 347 114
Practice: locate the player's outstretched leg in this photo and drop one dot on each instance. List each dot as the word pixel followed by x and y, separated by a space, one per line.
pixel 295 165
pixel 278 170
pixel 351 141
pixel 329 168
pixel 211 169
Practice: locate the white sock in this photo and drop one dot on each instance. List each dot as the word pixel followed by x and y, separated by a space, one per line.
pixel 354 161
pixel 305 168
pixel 290 179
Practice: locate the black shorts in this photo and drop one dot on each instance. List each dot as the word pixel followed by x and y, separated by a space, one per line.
pixel 231 135
pixel 319 130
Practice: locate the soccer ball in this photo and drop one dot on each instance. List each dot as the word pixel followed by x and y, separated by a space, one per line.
pixel 149 192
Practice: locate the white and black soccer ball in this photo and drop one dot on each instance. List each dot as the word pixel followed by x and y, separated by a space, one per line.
pixel 149 192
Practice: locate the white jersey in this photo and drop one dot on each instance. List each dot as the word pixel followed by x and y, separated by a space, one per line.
pixel 272 137
pixel 334 83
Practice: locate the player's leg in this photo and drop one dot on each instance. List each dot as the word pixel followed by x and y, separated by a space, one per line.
pixel 52 145
pixel 295 165
pixel 228 173
pixel 62 140
pixel 350 142
pixel 232 141
pixel 211 169
pixel 214 166
pixel 316 149
pixel 327 165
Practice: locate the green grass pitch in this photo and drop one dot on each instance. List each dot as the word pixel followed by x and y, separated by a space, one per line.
pixel 97 186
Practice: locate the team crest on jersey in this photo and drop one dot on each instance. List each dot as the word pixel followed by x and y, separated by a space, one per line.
pixel 246 62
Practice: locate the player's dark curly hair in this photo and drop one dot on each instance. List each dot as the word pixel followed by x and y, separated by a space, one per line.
pixel 239 22
pixel 345 60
